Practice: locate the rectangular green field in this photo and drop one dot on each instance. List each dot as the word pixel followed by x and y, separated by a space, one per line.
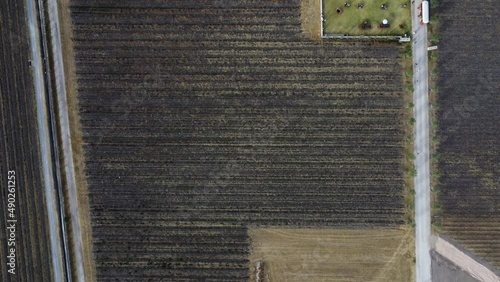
pixel 349 21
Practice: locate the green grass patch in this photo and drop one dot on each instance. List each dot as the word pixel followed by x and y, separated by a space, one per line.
pixel 410 89
pixel 351 18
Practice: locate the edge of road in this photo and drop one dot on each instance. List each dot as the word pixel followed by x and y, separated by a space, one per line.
pixel 65 135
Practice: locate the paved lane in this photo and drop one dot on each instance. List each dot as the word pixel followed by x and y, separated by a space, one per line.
pixel 422 179
pixel 45 142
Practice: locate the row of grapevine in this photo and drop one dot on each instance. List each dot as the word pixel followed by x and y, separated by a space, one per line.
pixel 469 131
pixel 25 248
pixel 204 118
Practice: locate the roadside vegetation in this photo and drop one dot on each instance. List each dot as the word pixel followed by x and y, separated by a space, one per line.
pixel 433 38
pixel 409 166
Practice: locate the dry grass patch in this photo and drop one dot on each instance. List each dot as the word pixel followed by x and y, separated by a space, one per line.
pixel 311 18
pixel 333 255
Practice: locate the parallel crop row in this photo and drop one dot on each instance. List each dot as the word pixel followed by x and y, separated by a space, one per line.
pixel 25 246
pixel 202 118
pixel 469 127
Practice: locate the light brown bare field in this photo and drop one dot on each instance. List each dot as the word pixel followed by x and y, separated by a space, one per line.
pixel 76 139
pixel 316 255
pixel 310 18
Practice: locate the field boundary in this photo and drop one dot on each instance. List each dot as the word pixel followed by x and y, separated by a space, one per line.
pixel 321 18
pixel 400 38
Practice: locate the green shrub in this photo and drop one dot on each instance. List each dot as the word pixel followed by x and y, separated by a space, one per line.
pixel 410 88
pixel 434 4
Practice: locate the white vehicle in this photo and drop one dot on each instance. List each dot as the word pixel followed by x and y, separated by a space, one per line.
pixel 425 12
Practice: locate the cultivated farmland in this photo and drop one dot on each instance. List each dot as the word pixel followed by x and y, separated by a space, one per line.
pixel 202 118
pixel 469 128
pixel 19 152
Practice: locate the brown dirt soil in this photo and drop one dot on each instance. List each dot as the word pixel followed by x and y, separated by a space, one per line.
pixel 310 18
pixel 76 137
pixel 333 254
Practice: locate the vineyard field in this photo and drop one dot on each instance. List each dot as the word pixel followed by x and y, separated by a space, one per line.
pixel 469 132
pixel 204 118
pixel 25 250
